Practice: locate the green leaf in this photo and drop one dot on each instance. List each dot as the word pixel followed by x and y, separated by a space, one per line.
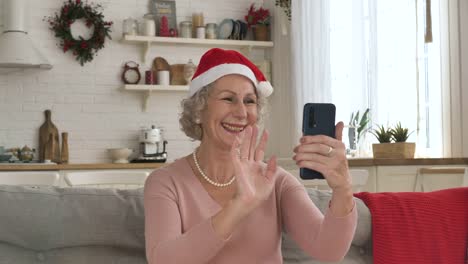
pixel 365 118
pixel 356 118
pixel 383 135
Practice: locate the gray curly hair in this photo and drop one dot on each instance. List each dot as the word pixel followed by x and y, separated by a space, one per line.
pixel 192 108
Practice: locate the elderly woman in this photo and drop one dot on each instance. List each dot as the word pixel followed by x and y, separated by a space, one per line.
pixel 222 203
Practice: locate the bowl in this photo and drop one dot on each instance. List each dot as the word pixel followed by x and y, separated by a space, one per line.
pixel 119 155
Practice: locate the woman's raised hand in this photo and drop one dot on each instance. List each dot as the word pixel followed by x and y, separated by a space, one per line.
pixel 327 156
pixel 254 181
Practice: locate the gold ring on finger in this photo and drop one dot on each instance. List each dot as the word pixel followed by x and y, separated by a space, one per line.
pixel 330 150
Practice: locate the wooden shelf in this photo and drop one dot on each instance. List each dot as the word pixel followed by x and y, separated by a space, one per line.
pixel 147 89
pixel 156 88
pixel 244 45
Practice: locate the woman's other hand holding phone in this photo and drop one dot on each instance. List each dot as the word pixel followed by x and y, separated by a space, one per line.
pixel 327 156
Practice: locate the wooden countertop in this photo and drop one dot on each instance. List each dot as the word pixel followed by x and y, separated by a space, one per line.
pixel 369 162
pixel 402 162
pixel 78 166
pixel 284 163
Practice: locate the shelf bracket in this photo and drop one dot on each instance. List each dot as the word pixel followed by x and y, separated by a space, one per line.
pixel 146 97
pixel 246 50
pixel 146 50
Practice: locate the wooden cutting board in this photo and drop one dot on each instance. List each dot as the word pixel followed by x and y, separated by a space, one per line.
pixel 49 140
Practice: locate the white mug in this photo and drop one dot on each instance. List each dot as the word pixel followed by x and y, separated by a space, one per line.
pixel 163 77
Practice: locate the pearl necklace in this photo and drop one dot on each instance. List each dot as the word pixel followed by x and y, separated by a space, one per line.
pixel 210 181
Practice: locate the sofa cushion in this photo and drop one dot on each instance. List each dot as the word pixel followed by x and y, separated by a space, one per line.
pixel 361 238
pixel 87 225
pixel 361 249
pixel 10 254
pixel 53 223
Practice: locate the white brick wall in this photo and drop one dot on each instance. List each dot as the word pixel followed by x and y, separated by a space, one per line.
pixel 88 102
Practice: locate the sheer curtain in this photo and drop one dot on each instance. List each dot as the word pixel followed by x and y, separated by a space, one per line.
pixel 353 66
pixel 310 56
pixel 374 61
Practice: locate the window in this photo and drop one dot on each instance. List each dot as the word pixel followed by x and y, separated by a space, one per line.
pixel 378 59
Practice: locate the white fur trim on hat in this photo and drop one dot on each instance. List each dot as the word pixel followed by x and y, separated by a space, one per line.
pixel 219 71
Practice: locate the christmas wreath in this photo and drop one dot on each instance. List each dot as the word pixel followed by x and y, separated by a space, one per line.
pixel 83 49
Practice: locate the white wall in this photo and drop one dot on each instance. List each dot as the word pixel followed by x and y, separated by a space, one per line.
pixel 280 123
pixel 88 102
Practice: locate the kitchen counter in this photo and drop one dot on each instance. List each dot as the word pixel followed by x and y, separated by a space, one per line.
pixel 286 163
pixel 369 162
pixel 402 162
pixel 78 166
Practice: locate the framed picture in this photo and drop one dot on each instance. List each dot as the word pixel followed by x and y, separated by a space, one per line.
pixel 164 12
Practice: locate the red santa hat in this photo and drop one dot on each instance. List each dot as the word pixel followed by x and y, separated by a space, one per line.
pixel 217 63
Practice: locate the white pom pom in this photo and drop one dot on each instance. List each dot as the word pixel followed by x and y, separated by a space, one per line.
pixel 264 88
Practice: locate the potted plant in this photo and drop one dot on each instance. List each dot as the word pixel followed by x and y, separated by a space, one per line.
pixel 384 136
pixel 399 136
pixel 358 127
pixel 386 149
pixel 259 20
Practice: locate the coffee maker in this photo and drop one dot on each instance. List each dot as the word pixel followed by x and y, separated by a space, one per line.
pixel 150 140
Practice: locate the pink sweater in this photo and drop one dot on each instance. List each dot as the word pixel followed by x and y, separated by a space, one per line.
pixel 178 227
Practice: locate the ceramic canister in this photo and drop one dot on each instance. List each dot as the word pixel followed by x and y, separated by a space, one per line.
pixel 163 77
pixel 186 29
pixel 149 25
pixel 200 32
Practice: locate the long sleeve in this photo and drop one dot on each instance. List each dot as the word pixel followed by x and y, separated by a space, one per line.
pixel 324 237
pixel 165 242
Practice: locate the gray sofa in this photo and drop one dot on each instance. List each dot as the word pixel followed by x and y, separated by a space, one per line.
pixel 95 226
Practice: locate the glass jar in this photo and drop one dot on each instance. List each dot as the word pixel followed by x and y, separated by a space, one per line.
pixel 130 27
pixel 211 30
pixel 189 71
pixel 350 140
pixel 197 21
pixel 185 29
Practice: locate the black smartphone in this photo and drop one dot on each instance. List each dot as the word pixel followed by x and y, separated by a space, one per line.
pixel 318 119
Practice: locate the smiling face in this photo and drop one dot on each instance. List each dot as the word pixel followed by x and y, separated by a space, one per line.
pixel 231 106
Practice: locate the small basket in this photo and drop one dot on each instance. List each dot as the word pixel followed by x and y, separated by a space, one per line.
pixel 397 150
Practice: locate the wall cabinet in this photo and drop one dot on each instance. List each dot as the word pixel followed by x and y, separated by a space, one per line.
pixel 93 178
pixel 406 178
pixel 121 179
pixel 396 178
pixel 30 178
pixel 380 178
pixel 420 178
pixel 371 185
